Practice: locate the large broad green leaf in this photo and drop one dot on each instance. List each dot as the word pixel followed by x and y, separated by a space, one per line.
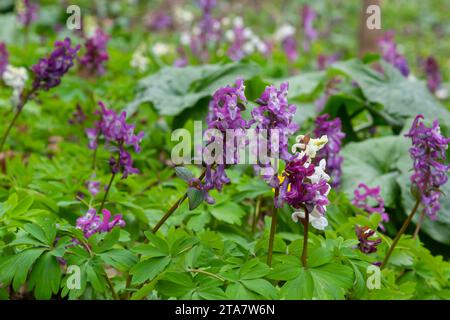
pixel 374 162
pixel 302 86
pixel 172 90
pixel 400 97
pixel 229 212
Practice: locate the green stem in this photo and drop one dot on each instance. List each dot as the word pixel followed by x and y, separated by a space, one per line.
pixel 419 224
pixel 305 222
pixel 207 273
pixel 273 228
pixel 107 192
pixel 257 213
pixel 111 287
pixel 400 232
pixel 23 100
pixel 174 207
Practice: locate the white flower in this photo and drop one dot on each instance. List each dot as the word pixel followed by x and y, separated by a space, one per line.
pixel 139 61
pixel 310 149
pixel 15 77
pixel 183 15
pixel 229 35
pixel 316 219
pixel 185 38
pixel 238 22
pixel 319 172
pixel 160 49
pixel 441 93
pixel 284 31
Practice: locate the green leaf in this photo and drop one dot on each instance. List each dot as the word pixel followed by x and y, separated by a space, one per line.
pixel 45 277
pixel 228 212
pixel 120 259
pixel 149 269
pixel 173 90
pixel 401 98
pixel 16 267
pixel 195 197
pixel 261 287
pixel 175 284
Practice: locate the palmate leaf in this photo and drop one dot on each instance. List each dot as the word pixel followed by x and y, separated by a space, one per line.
pixel 45 277
pixel 173 90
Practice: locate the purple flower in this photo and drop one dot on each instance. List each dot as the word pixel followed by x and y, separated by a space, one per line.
pixel 310 34
pixel 49 71
pixel 289 45
pixel 370 200
pixel 305 188
pixel 91 223
pixel 275 113
pixel 333 130
pixel 93 62
pixel 330 89
pixel 28 14
pixel 206 32
pixel 428 154
pixel 159 20
pixel 4 58
pixel 93 187
pixel 389 53
pixel 114 129
pixel 366 245
pixel 431 69
pixel 323 61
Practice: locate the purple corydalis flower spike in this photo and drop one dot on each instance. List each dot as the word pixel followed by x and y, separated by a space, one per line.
pixel 91 223
pixel 308 16
pixel 389 52
pixel 430 171
pixel 49 71
pixel 158 21
pixel 333 130
pixel 433 73
pixel 93 61
pixel 366 245
pixel 370 200
pixel 28 14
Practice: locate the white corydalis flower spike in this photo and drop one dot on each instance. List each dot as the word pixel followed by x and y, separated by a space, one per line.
pixel 310 148
pixel 316 219
pixel 319 172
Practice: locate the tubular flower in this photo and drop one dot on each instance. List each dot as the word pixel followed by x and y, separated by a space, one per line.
pixel 15 77
pixel 114 129
pixel 366 245
pixel 49 71
pixel 93 62
pixel 370 200
pixel 332 129
pixel 434 78
pixel 92 223
pixel 428 154
pixel 308 16
pixel 28 12
pixel 224 113
pixel 286 36
pixel 305 186
pixel 389 52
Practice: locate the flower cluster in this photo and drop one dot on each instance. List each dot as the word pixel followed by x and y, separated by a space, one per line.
pixel 274 115
pixel 310 34
pixel 139 60
pixel 428 154
pixel 243 41
pixel 305 186
pixel 158 20
pixel 333 130
pixel 93 62
pixel 114 129
pixel 224 113
pixel 49 71
pixel 431 69
pixel 389 52
pixel 92 223
pixel 370 200
pixel 207 31
pixel 330 89
pixel 4 58
pixel 15 77
pixel 28 13
pixel 323 61
pixel 286 36
pixel 366 245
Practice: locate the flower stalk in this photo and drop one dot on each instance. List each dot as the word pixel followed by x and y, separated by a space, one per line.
pixel 305 223
pixel 273 228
